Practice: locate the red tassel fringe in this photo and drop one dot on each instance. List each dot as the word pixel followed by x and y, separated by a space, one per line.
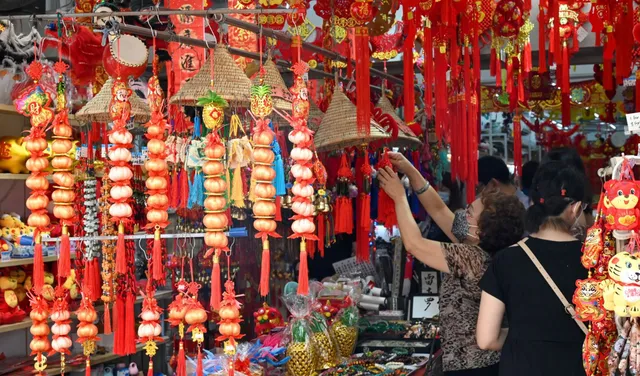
pixel 492 62
pixel 64 261
pixel 409 91
pixel 130 326
pixel 199 365
pixel 321 233
pixel 363 96
pixel 107 319
pixel 173 191
pixel 87 370
pixel 182 361
pixel 278 217
pixel 517 148
pixel 158 272
pixel 119 327
pixel 526 58
pixel 215 285
pixel 121 255
pixel 265 270
pixel 499 71
pixel 364 226
pixel 542 40
pixel 566 88
pixel 428 71
pixel 184 189
pixel 303 273
pixel 38 268
pixel 150 371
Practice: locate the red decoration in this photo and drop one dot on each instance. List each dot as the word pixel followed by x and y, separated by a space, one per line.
pixel 508 18
pixel 620 204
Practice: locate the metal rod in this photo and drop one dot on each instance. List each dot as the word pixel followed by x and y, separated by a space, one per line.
pixel 132 237
pixel 148 12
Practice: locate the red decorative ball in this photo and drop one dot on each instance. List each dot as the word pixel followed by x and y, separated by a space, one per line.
pixel 362 11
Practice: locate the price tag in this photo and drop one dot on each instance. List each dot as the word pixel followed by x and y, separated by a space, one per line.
pixel 631 81
pixel 81 153
pixel 633 122
pixel 582 33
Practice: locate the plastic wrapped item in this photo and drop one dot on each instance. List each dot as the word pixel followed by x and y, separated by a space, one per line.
pixel 326 346
pixel 345 326
pixel 301 350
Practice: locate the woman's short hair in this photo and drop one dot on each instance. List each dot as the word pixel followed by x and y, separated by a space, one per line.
pixel 501 223
pixel 555 186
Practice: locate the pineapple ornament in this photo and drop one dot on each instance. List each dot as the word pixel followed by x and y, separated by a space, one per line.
pixel 345 330
pixel 261 100
pixel 301 351
pixel 213 107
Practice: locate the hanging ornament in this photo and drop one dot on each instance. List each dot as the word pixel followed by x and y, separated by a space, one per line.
pixel 177 312
pixel 229 324
pixel 87 331
pixel 343 204
pixel 150 329
pixel 61 328
pixel 195 317
pixel 40 331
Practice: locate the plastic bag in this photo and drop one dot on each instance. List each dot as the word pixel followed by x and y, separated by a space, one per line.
pixel 345 326
pixel 301 350
pixel 326 346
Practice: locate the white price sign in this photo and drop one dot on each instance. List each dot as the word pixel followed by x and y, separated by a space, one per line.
pixel 633 122
pixel 582 33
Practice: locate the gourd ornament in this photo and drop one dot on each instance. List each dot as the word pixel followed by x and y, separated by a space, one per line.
pixel 40 344
pixel 61 317
pixel 150 329
pixel 229 324
pixel 87 331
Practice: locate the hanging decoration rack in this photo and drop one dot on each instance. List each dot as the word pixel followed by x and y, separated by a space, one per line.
pixel 234 233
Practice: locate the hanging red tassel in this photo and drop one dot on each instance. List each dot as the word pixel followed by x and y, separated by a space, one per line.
pixel 441 90
pixel 303 273
pixel 542 40
pixel 499 71
pixel 64 260
pixel 150 371
pixel 173 191
pixel 121 253
pixel 278 217
pixel 119 339
pixel 107 319
pixel 87 369
pixel 311 249
pixel 215 283
pixel 566 87
pixel 492 63
pixel 521 87
pixel 321 233
pixel 199 365
pixel 364 212
pixel 363 96
pixel 526 58
pixel 408 73
pixel 428 69
pixel 184 188
pixel 158 272
pixel 517 145
pixel 130 326
pixel 182 361
pixel 265 269
pixel 557 40
pixel 38 266
pixel 566 110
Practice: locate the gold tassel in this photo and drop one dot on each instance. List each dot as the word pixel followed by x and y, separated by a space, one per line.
pixel 237 196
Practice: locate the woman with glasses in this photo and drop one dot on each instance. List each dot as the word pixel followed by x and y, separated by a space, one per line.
pixel 492 223
pixel 542 339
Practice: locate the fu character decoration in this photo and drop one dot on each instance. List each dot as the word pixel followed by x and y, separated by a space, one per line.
pixel 158 179
pixel 263 173
pixel 87 331
pixel 64 195
pixel 215 204
pixel 302 138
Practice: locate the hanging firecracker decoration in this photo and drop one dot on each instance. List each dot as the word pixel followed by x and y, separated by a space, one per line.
pixel 262 176
pixel 87 331
pixel 195 317
pixel 63 196
pixel 343 212
pixel 40 331
pixel 156 166
pixel 229 318
pixel 150 329
pixel 301 137
pixel 34 102
pixel 61 328
pixel 120 211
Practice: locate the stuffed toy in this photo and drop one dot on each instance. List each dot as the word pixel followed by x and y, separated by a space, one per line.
pixel 621 199
pixel 587 300
pixel 10 310
pixel 621 291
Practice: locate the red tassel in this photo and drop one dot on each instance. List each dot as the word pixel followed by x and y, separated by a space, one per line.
pixel 542 40
pixel 362 233
pixel 107 319
pixel 87 369
pixel 607 75
pixel 121 252
pixel 441 90
pixel 408 73
pixel 566 110
pixel 278 217
pixel 215 283
pixel 97 279
pixel 566 86
pixel 520 87
pixel 184 189
pixel 517 146
pixel 303 273
pixel 38 267
pixel 199 365
pixel 130 326
pixel 173 192
pixel 150 371
pixel 182 361
pixel 526 58
pixel 338 212
pixel 557 44
pixel 363 96
pixel 64 260
pixel 265 268
pixel 428 70
pixel 119 326
pixel 499 71
pixel 311 249
pixel 321 233
pixel 158 271
pixel 492 62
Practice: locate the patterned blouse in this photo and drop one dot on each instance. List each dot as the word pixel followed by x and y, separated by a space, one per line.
pixel 459 306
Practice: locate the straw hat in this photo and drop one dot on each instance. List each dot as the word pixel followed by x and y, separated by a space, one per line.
pixel 406 137
pixel 339 128
pixel 315 116
pixel 97 109
pixel 273 79
pixel 229 81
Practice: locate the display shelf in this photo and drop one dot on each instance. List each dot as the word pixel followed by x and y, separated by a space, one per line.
pixel 26 323
pixel 99 359
pixel 8 109
pixel 25 261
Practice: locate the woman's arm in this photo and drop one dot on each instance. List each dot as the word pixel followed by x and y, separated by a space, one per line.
pixel 489 334
pixel 427 251
pixel 430 200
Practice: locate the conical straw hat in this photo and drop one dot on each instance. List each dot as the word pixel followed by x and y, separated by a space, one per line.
pixel 273 79
pixel 406 137
pixel 229 81
pixel 339 127
pixel 315 116
pixel 97 109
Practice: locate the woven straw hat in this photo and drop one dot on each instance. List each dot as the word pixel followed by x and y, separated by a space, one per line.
pixel 229 81
pixel 97 109
pixel 406 137
pixel 273 79
pixel 339 128
pixel 315 116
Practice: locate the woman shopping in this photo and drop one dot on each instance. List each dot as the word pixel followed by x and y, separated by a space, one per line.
pixel 542 339
pixel 495 222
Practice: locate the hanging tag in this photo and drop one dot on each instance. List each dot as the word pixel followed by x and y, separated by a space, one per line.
pixel 582 34
pixel 633 123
